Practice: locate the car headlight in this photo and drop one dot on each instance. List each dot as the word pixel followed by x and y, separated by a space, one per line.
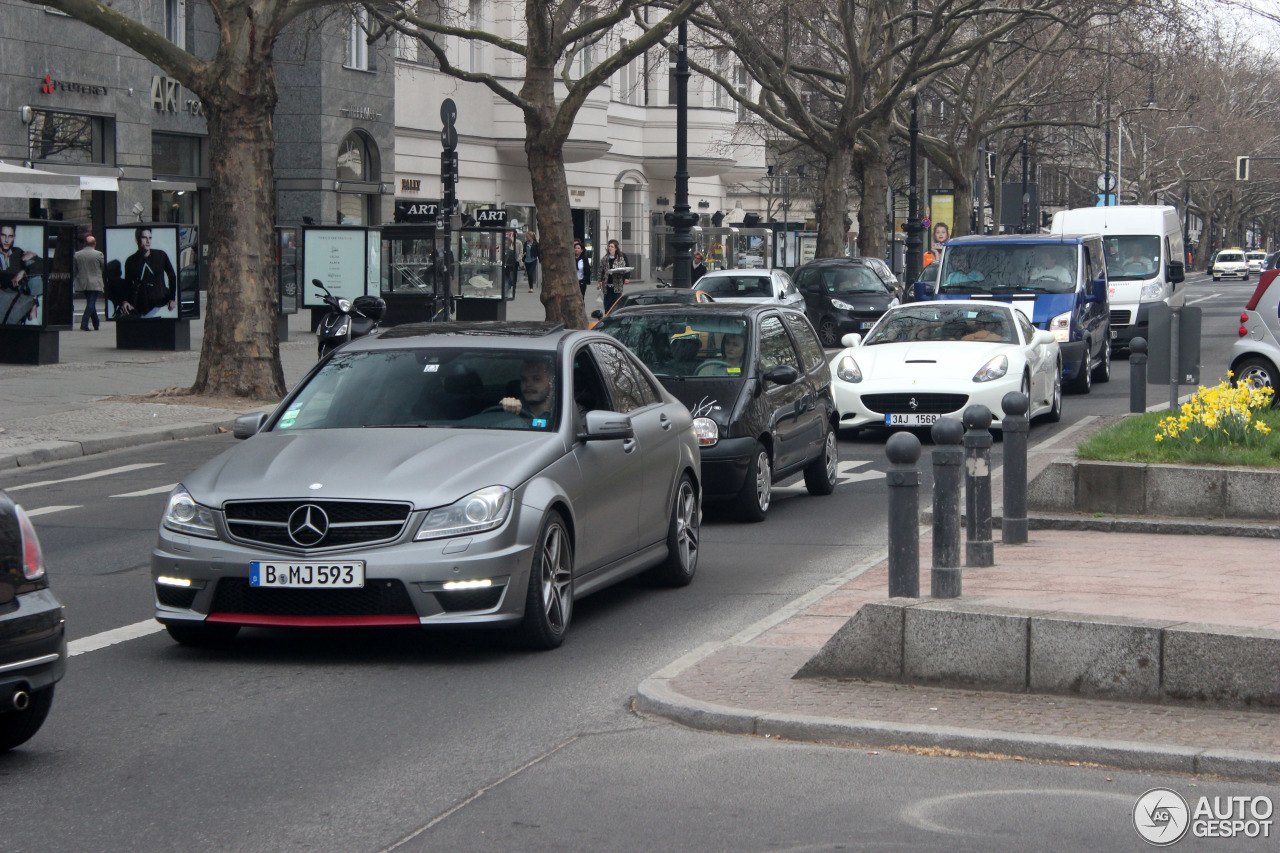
pixel 1061 327
pixel 841 306
pixel 184 515
pixel 1152 292
pixel 708 431
pixel 848 370
pixel 993 369
pixel 479 511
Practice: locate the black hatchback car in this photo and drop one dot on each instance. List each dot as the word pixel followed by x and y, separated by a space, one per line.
pixel 33 643
pixel 843 295
pixel 758 385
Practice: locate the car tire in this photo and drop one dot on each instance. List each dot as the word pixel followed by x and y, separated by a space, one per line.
pixel 683 538
pixel 18 727
pixel 752 503
pixel 827 333
pixel 1256 370
pixel 1054 414
pixel 1215 278
pixel 1083 383
pixel 548 603
pixel 1102 373
pixel 821 475
pixel 202 634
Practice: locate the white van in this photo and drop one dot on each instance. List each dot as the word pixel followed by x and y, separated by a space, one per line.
pixel 1145 259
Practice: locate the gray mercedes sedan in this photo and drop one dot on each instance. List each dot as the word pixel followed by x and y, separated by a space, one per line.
pixel 438 474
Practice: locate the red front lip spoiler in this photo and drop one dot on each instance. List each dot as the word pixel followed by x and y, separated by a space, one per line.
pixel 312 621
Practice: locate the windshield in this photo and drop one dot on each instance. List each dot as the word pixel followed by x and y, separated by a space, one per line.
pixel 462 388
pixel 1257 256
pixel 684 346
pixel 1009 268
pixel 1130 258
pixel 929 273
pixel 853 280
pixel 942 321
pixel 1230 257
pixel 731 286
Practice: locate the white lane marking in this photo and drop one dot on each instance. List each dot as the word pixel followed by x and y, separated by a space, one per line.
pixel 112 637
pixel 1203 298
pixel 122 469
pixel 158 490
pixel 844 475
pixel 46 510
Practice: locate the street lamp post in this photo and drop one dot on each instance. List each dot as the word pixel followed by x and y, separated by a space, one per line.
pixel 681 218
pixel 915 242
pixel 1026 196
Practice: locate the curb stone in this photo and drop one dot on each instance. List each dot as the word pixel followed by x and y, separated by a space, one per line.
pixel 52 451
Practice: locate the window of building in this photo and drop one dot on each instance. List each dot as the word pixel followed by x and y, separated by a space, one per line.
pixel 175 22
pixel 719 64
pixel 66 137
pixel 475 21
pixel 354 158
pixel 172 154
pixel 742 82
pixel 358 41
pixel 358 163
pixel 630 90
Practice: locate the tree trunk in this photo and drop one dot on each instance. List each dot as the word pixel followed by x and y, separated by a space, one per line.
pixel 872 213
pixel 559 294
pixel 240 355
pixel 834 198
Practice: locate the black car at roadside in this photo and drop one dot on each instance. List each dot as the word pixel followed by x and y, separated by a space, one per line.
pixel 758 385
pixel 843 295
pixel 33 643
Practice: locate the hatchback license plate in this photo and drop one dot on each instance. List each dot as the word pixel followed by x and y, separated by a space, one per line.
pixel 911 420
pixel 345 575
pixel 866 324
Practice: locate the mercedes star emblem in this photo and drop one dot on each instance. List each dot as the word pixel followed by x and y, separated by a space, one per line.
pixel 308 525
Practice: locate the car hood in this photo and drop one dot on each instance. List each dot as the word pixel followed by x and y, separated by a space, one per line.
pixel 429 467
pixel 925 360
pixel 707 398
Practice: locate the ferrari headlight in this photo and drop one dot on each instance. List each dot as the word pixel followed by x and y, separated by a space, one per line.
pixel 184 515
pixel 1061 327
pixel 841 306
pixel 708 431
pixel 479 511
pixel 847 370
pixel 993 369
pixel 1153 292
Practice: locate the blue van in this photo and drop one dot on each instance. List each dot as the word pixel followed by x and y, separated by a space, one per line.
pixel 1058 282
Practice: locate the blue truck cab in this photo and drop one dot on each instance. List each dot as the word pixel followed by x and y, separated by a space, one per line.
pixel 1059 282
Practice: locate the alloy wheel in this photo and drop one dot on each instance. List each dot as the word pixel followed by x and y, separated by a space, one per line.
pixel 833 456
pixel 687 526
pixel 764 481
pixel 557 577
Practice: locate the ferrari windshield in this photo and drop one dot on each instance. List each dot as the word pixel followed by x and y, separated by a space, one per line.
pixel 683 345
pixel 944 321
pixel 1009 268
pixel 444 387
pixel 1133 258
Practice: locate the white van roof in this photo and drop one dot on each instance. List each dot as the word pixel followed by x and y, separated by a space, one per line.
pixel 1125 219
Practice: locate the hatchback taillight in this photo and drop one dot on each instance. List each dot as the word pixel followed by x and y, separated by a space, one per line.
pixel 32 557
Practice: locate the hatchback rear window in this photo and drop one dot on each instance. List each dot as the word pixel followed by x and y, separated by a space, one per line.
pixel 729 286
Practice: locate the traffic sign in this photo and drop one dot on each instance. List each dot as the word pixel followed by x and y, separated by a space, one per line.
pixel 449 116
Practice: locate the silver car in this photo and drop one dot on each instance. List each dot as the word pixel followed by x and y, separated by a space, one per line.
pixel 752 286
pixel 438 475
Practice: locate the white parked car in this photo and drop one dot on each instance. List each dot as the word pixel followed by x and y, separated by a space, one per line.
pixel 752 286
pixel 926 360
pixel 1230 263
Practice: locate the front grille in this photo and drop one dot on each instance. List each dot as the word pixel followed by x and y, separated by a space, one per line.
pixel 375 598
pixel 350 522
pixel 1120 318
pixel 176 596
pixel 469 599
pixel 925 404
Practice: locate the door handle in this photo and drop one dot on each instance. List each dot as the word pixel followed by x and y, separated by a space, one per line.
pixel 665 421
pixel 628 445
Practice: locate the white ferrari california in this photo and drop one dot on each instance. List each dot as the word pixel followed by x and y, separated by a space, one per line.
pixel 927 360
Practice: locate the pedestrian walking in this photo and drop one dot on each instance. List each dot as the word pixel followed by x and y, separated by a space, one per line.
pixel 90 265
pixel 581 263
pixel 699 267
pixel 531 255
pixel 510 265
pixel 611 281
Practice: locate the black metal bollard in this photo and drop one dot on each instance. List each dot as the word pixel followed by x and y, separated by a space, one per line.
pixel 1013 527
pixel 1138 375
pixel 948 457
pixel 903 450
pixel 979 550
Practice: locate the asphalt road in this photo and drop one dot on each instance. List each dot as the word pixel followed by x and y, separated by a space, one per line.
pixel 378 740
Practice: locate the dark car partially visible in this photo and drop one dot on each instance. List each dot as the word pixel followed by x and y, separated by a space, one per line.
pixel 843 295
pixel 33 643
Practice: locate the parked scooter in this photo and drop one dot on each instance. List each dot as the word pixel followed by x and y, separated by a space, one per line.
pixel 346 319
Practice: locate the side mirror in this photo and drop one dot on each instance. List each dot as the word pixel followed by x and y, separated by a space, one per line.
pixel 852 339
pixel 1042 337
pixel 597 314
pixel 600 425
pixel 1177 272
pixel 783 374
pixel 247 426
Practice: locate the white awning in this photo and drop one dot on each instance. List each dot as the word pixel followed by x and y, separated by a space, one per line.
pixel 89 183
pixel 21 182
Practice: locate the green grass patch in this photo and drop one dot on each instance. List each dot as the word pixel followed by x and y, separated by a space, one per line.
pixel 1133 440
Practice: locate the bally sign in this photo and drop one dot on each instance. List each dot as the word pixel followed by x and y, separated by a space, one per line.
pixel 491 217
pixel 417 211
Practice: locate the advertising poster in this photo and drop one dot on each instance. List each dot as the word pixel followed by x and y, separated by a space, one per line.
pixel 942 207
pixel 338 257
pixel 188 272
pixel 141 277
pixel 22 274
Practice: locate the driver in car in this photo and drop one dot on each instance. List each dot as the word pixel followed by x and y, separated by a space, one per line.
pixel 1049 266
pixel 537 392
pixel 960 272
pixel 733 345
